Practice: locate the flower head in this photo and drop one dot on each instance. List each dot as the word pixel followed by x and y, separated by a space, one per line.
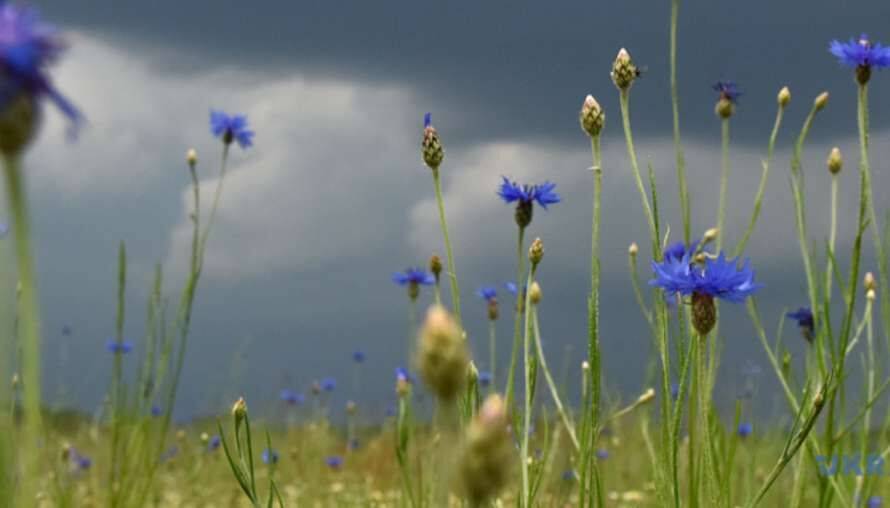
pixel 679 249
pixel 860 52
pixel 602 453
pixel 291 397
pixel 213 443
pixel 27 47
pixel 334 462
pixel 231 128
pixel 156 410
pixel 116 347
pixel 402 374
pixel 542 193
pixel 485 379
pixel 270 456
pixel 431 149
pixel 358 356
pixel 487 293
pixel 718 278
pixel 328 384
pixel 413 276
pixel 804 318
pixel 745 429
pixel 728 90
pixel 874 502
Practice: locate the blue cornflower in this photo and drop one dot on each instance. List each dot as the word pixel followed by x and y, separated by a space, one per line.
pixel 80 462
pixel 675 391
pixel 527 194
pixel 213 443
pixel 511 288
pixel 27 47
pixel 402 374
pixel 569 475
pixel 487 293
pixel 804 318
pixel 291 397
pixel 427 120
pixel 874 502
pixel 358 356
pixel 328 384
pixel 334 461
pixel 116 347
pixel 156 410
pixel 270 456
pixel 728 90
pixel 485 379
pixel 860 53
pixel 231 128
pixel 413 277
pixel 718 278
pixel 602 453
pixel 745 429
pixel 678 249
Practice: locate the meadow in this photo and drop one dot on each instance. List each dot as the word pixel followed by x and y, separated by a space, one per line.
pixel 463 430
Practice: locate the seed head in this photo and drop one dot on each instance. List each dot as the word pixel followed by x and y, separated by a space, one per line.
pixel 784 97
pixel 436 266
pixel 624 72
pixel 591 117
pixel 442 353
pixel 835 161
pixel 820 101
pixel 536 252
pixel 484 466
pixel 431 149
pixel 239 411
pixel 869 281
pixel 191 157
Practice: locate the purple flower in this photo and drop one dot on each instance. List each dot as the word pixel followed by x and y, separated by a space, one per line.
pixel 485 379
pixel 602 453
pixel 718 278
pixel 745 429
pixel 543 194
pixel 116 347
pixel 402 374
pixel 27 47
pixel 328 384
pixel 569 475
pixel 874 502
pixel 860 53
pixel 804 318
pixel 270 456
pixel 334 462
pixel 213 443
pixel 675 391
pixel 728 90
pixel 358 356
pixel 231 128
pixel 156 410
pixel 678 249
pixel 487 293
pixel 291 397
pixel 413 276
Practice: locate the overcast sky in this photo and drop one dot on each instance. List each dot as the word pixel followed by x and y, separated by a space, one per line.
pixel 333 198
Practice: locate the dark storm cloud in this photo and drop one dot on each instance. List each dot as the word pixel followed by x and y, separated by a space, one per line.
pixel 519 69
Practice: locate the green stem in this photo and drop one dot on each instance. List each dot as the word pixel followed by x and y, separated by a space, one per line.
pixel 492 353
pixel 832 235
pixel 632 154
pixel 30 327
pixel 678 147
pixel 452 274
pixel 761 189
pixel 554 392
pixel 527 415
pixel 799 206
pixel 517 319
pixel 724 181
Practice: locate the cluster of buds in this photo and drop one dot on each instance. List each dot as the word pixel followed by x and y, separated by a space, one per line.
pixel 592 117
pixel 835 162
pixel 624 72
pixel 436 267
pixel 432 150
pixel 484 466
pixel 442 353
